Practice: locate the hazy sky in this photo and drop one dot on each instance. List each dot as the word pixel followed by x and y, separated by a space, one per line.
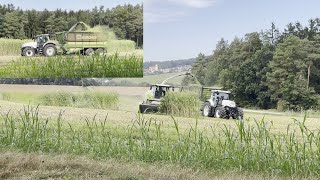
pixel 178 29
pixel 67 4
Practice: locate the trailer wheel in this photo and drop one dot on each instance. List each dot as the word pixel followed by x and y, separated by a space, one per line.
pixel 100 51
pixel 28 51
pixel 89 52
pixel 49 50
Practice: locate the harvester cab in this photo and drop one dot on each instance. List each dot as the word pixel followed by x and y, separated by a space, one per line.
pixel 153 96
pixel 158 91
pixel 221 105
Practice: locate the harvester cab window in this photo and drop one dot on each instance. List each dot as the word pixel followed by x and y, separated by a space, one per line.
pixel 157 93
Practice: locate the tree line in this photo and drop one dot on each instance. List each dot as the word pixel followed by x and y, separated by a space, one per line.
pixel 125 20
pixel 169 64
pixel 270 69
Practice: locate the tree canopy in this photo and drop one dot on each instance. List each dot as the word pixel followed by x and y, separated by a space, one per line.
pixel 270 69
pixel 125 20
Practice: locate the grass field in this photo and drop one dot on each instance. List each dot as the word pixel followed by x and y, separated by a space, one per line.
pixel 121 60
pixel 205 148
pixel 74 67
pixel 153 79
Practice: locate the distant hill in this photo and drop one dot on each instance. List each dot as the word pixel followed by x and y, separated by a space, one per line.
pixel 169 64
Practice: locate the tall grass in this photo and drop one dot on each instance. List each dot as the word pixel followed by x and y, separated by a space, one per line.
pixel 11 47
pixel 248 147
pixel 75 67
pixel 97 100
pixel 180 104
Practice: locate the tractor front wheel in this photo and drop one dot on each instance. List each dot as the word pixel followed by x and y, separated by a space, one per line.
pixel 207 110
pixel 28 51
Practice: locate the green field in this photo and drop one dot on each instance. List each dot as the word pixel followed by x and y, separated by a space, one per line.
pixel 121 60
pixel 74 67
pixel 153 79
pixel 266 145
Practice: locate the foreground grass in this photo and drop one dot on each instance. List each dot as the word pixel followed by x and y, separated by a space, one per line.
pixel 244 148
pixel 19 165
pixel 75 67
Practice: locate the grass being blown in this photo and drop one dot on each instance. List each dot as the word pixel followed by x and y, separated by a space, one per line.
pixel 75 67
pixel 180 104
pixel 245 147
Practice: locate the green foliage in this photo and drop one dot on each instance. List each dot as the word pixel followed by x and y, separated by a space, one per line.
pixel 246 147
pixel 268 70
pixel 200 67
pixel 75 67
pixel 97 100
pixel 180 104
pixel 287 79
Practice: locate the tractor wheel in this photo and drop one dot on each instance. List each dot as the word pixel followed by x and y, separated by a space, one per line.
pixel 221 113
pixel 49 50
pixel 28 51
pixel 100 52
pixel 89 52
pixel 207 110
pixel 240 114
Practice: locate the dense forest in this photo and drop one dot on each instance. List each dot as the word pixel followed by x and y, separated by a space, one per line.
pixel 125 20
pixel 270 69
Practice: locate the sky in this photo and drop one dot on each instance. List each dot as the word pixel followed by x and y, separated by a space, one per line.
pixel 67 4
pixel 181 29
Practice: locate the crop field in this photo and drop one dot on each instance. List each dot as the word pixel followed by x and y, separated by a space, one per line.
pixel 74 67
pixel 121 60
pixel 266 144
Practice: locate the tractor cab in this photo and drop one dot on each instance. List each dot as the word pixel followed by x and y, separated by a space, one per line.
pixel 218 96
pixel 41 40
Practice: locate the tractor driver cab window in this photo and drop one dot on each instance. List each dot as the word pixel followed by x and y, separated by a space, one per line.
pixel 45 39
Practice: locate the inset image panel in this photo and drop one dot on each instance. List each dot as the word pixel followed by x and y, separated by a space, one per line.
pixel 89 39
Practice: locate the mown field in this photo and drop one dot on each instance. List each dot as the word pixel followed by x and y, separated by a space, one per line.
pixel 121 60
pixel 152 79
pixel 267 145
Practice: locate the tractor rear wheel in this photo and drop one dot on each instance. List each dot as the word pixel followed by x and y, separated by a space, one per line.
pixel 221 113
pixel 207 110
pixel 49 50
pixel 89 52
pixel 240 113
pixel 28 51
